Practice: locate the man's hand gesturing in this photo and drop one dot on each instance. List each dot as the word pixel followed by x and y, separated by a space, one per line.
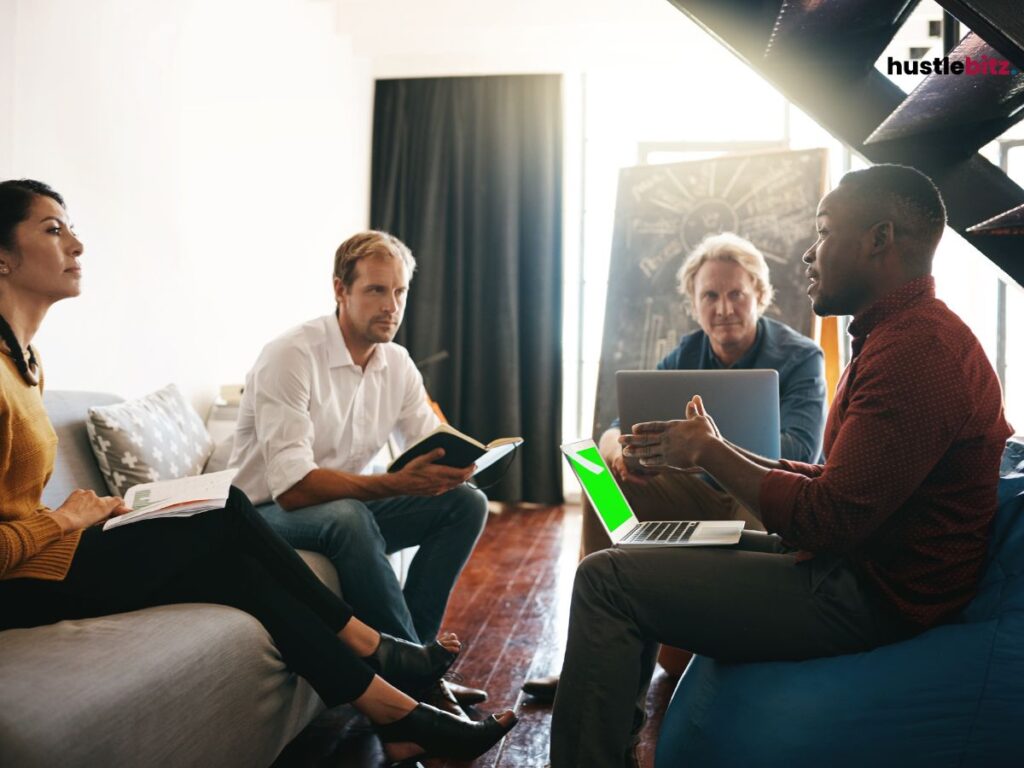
pixel 672 444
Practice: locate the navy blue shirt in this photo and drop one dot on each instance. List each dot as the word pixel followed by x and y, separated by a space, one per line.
pixel 801 366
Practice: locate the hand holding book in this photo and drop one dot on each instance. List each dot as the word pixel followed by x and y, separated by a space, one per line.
pixel 425 475
pixel 460 450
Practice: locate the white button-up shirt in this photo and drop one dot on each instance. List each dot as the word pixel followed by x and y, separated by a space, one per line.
pixel 307 405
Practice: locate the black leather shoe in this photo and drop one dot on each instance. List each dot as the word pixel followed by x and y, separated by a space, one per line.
pixel 466 696
pixel 633 756
pixel 441 735
pixel 410 667
pixel 542 688
pixel 439 695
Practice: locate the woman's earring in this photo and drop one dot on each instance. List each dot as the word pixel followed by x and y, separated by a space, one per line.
pixel 4 269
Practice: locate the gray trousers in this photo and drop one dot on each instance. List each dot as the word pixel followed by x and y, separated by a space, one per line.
pixel 668 496
pixel 750 602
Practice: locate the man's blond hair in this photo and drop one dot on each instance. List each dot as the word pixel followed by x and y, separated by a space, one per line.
pixel 364 245
pixel 726 246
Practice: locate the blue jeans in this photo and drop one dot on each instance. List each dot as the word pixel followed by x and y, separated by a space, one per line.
pixel 357 536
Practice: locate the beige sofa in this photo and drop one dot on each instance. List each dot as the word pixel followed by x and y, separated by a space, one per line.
pixel 183 685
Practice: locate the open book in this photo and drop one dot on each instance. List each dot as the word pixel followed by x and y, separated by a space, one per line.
pixel 183 497
pixel 460 450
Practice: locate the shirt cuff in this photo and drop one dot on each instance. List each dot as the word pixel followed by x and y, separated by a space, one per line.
pixel 801 468
pixel 777 498
pixel 287 469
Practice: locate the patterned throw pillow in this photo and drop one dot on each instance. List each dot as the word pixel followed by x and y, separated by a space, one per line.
pixel 157 437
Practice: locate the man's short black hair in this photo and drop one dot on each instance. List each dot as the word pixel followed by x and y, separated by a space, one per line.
pixel 906 197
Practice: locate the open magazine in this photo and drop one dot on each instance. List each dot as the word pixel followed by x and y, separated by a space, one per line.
pixel 183 497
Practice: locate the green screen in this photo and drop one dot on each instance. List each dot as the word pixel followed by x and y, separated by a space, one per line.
pixel 608 500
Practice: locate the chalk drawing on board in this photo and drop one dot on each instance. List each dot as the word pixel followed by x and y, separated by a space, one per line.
pixel 663 211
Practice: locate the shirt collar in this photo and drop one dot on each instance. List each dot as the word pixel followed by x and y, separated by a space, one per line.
pixel 338 355
pixel 747 361
pixel 907 295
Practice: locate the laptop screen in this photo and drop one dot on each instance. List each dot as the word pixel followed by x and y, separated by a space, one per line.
pixel 599 483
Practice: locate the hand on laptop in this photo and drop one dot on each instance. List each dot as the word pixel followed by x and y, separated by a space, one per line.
pixel 674 444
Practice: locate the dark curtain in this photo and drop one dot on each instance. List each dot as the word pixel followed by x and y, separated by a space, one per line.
pixel 468 172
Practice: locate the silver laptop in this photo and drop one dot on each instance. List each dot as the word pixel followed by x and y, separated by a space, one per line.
pixel 617 516
pixel 744 404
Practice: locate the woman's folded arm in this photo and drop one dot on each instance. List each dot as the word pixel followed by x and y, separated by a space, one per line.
pixel 20 540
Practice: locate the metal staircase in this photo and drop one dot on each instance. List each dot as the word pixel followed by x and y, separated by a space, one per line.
pixel 821 54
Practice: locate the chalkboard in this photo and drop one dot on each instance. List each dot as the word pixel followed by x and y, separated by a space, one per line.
pixel 661 214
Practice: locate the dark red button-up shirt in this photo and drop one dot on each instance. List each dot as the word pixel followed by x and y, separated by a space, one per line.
pixel 912 445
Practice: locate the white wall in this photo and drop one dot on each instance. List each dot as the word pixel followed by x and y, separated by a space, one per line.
pixel 213 155
pixel 6 85
pixel 404 38
pixel 215 152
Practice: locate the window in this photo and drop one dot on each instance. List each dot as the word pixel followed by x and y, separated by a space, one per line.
pixel 622 117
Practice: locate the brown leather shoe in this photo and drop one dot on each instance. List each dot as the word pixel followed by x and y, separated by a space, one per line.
pixel 440 696
pixel 674 660
pixel 466 696
pixel 542 688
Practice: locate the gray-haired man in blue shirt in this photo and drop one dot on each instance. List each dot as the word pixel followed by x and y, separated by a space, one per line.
pixel 725 282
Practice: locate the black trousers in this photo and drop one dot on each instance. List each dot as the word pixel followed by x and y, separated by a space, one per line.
pixel 228 556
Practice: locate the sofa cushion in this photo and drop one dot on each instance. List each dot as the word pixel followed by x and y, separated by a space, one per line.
pixel 322 567
pixel 157 437
pixel 75 465
pixel 1002 584
pixel 910 704
pixel 179 685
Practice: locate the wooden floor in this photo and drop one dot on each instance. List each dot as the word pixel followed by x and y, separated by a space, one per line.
pixel 511 610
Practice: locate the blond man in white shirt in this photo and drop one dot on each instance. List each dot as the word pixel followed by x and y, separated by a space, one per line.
pixel 318 405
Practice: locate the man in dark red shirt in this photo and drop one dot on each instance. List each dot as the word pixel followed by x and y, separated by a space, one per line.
pixel 885 539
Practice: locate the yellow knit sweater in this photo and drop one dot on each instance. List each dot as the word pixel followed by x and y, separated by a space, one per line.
pixel 31 543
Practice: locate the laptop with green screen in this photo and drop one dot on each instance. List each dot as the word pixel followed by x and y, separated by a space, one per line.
pixel 617 517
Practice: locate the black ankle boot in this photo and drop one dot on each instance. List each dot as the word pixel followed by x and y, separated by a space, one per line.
pixel 443 735
pixel 410 667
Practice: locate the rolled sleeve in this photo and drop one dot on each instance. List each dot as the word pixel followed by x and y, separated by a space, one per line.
pixel 780 490
pixel 801 468
pixel 284 429
pixel 777 497
pixel 287 468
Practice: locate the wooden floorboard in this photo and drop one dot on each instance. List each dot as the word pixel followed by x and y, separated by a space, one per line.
pixel 511 610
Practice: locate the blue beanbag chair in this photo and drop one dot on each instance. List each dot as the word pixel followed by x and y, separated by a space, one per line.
pixel 952 696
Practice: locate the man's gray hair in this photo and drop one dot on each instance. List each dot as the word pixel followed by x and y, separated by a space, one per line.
pixel 727 246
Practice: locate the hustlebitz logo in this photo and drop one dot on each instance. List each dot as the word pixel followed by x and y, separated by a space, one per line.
pixel 983 66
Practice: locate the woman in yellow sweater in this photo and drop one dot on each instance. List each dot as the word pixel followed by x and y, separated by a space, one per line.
pixel 58 564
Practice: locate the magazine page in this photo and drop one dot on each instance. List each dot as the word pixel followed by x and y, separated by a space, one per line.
pixel 179 497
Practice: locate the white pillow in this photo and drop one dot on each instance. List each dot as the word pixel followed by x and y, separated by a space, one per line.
pixel 157 437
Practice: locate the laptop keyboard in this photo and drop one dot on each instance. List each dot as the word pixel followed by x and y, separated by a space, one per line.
pixel 662 532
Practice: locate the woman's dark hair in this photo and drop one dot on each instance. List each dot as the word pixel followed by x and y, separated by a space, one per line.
pixel 15 199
